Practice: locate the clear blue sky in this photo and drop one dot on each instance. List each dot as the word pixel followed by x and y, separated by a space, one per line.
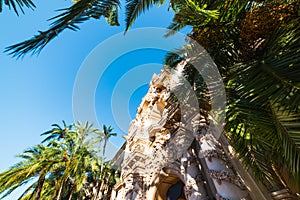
pixel 36 91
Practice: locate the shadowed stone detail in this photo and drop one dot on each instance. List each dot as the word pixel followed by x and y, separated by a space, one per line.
pixel 169 141
pixel 219 197
pixel 219 154
pixel 227 176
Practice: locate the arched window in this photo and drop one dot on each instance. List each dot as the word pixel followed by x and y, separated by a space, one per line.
pixel 175 192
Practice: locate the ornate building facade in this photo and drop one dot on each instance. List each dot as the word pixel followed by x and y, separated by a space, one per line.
pixel 170 154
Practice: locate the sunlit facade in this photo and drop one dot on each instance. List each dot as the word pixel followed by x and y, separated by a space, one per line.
pixel 168 158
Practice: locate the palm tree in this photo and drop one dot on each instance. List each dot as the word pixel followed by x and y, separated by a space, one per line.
pixel 80 158
pixel 60 169
pixel 108 181
pixel 57 132
pixel 260 69
pixel 259 62
pixel 106 133
pixel 79 12
pixel 36 164
pixel 83 10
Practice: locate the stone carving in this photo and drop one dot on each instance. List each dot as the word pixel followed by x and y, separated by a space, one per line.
pixel 129 187
pixel 227 176
pixel 219 154
pixel 159 148
pixel 189 189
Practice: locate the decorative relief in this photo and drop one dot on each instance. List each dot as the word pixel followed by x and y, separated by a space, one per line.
pixel 129 187
pixel 219 154
pixel 199 178
pixel 227 176
pixel 168 142
pixel 200 126
pixel 161 138
pixel 189 190
pixel 138 187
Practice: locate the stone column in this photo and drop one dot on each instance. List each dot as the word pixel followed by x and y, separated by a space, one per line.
pixel 227 182
pixel 194 185
pixel 129 186
pixel 138 190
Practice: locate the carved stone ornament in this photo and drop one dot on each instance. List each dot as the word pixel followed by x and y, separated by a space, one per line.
pixel 227 176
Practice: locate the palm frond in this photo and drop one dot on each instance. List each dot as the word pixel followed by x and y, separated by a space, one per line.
pixel 190 12
pixel 288 128
pixel 69 19
pixel 275 77
pixel 28 191
pixel 267 138
pixel 135 7
pixel 174 57
pixel 17 4
pixel 174 27
pixel 254 137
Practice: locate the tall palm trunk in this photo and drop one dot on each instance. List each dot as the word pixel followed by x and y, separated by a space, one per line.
pixel 59 195
pixel 72 188
pixel 104 187
pixel 40 186
pixel 103 154
pixel 101 178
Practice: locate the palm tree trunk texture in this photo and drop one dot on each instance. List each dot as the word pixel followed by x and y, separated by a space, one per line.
pixel 40 186
pixel 101 171
pixel 71 191
pixel 59 195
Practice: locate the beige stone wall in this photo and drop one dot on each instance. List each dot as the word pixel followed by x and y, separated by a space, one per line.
pixel 166 145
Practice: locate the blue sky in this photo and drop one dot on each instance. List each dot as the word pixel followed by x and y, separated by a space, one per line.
pixel 36 91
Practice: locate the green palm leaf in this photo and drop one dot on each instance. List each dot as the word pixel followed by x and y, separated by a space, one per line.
pixel 15 4
pixel 288 128
pixel 69 19
pixel 135 7
pixel 274 76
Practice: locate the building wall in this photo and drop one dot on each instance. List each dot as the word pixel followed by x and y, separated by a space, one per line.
pixel 168 144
